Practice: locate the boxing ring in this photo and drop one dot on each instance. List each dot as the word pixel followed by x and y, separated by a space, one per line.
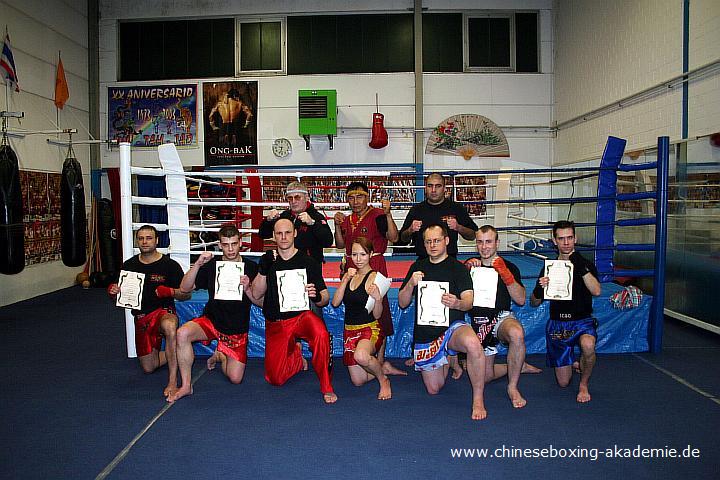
pixel 524 240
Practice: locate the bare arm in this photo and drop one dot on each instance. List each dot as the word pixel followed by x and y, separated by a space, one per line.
pixel 338 219
pixel 592 284
pixel 392 233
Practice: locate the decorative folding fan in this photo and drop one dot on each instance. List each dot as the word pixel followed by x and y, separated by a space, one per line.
pixel 468 135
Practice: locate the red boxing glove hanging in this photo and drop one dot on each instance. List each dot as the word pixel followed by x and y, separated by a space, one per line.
pixel 164 292
pixel 379 134
pixel 502 270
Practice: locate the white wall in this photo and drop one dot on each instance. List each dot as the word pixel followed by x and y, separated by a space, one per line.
pixel 37 31
pixel 606 51
pixel 509 100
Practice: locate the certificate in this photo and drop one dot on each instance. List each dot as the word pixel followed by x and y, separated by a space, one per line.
pixel 431 312
pixel 227 280
pixel 291 290
pixel 485 282
pixel 383 284
pixel 560 273
pixel 131 289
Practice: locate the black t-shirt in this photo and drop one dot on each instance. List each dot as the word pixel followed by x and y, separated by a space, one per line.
pixel 230 317
pixel 502 298
pixel 355 301
pixel 449 270
pixel 437 214
pixel 580 306
pixel 271 303
pixel 164 271
pixel 311 239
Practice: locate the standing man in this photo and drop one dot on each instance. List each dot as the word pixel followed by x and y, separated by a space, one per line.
pixel 226 321
pixel 434 343
pixel 313 232
pixel 571 322
pixel 277 287
pixel 436 209
pixel 378 226
pixel 498 323
pixel 156 317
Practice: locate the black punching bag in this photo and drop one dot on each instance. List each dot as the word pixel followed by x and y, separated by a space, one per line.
pixel 109 256
pixel 73 240
pixel 12 230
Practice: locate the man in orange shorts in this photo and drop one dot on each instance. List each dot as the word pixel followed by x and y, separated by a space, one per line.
pixel 226 321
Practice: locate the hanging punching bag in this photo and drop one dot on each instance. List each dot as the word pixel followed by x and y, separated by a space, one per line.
pixel 107 237
pixel 73 240
pixel 12 230
pixel 379 134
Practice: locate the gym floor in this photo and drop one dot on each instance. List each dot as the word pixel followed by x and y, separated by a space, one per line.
pixel 75 407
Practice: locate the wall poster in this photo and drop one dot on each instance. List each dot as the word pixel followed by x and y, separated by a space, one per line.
pixel 149 115
pixel 230 123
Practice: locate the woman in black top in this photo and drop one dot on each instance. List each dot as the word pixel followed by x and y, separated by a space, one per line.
pixel 362 336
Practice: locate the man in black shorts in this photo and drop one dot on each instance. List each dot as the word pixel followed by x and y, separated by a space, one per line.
pixel 156 317
pixel 571 322
pixel 437 210
pixel 441 333
pixel 497 323
pixel 226 321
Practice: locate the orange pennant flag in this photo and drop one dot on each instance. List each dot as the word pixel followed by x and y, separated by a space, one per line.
pixel 61 87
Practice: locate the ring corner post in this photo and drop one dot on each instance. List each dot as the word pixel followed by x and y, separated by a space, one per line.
pixel 606 206
pixel 127 232
pixel 657 312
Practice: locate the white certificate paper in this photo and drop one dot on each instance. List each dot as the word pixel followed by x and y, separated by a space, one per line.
pixel 383 284
pixel 485 282
pixel 430 310
pixel 131 288
pixel 291 290
pixel 227 280
pixel 560 273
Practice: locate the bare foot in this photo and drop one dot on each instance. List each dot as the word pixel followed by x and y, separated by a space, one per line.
pixel 576 367
pixel 527 368
pixel 583 395
pixel 457 370
pixel 213 360
pixel 389 369
pixel 409 362
pixel 329 397
pixel 517 400
pixel 478 411
pixel 385 390
pixel 170 390
pixel 182 392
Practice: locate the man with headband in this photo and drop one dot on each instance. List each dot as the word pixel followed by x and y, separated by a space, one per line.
pixel 436 209
pixel 378 226
pixel 313 231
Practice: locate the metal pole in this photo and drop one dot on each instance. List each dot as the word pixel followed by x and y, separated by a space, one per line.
pixel 655 327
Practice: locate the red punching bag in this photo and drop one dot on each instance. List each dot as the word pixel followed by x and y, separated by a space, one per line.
pixel 379 134
pixel 73 230
pixel 12 230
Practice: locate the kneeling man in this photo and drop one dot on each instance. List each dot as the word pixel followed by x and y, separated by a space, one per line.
pixel 224 320
pixel 286 279
pixel 443 292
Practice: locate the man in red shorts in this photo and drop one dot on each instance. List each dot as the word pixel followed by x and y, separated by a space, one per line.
pixel 286 279
pixel 378 226
pixel 156 317
pixel 226 321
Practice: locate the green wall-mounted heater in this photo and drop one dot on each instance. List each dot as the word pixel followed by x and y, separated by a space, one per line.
pixel 317 111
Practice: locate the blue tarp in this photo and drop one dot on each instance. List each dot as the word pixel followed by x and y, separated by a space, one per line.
pixel 619 331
